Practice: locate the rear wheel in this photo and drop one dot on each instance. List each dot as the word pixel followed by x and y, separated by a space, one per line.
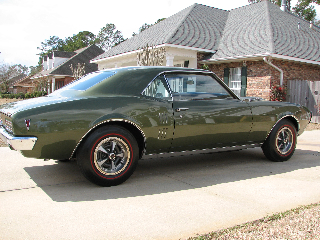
pixel 109 156
pixel 281 143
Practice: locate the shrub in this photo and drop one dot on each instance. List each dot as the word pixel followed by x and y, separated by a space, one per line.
pixel 278 93
pixel 19 95
pixel 22 95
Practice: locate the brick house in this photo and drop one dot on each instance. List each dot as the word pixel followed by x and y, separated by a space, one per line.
pixel 57 66
pixel 252 48
pixel 266 46
pixel 22 85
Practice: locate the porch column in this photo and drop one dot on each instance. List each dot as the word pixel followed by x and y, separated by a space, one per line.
pixel 53 86
pixel 169 59
pixel 192 63
pixel 49 87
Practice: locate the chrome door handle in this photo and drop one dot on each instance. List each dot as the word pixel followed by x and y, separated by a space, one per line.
pixel 181 109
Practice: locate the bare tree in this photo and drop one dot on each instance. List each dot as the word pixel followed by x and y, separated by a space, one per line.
pixel 78 70
pixel 151 56
pixel 8 72
pixel 41 84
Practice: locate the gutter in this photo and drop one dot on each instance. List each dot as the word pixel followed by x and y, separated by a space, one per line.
pixel 258 57
pixel 157 46
pixel 274 66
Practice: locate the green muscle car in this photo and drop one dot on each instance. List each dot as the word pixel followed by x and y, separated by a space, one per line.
pixel 109 119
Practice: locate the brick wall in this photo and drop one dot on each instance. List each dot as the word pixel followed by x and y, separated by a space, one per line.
pixel 68 80
pixel 261 76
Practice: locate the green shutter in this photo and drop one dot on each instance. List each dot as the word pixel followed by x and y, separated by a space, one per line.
pixel 243 81
pixel 226 76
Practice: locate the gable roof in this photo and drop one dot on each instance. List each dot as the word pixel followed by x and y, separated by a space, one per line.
pixel 63 54
pixel 17 79
pixel 197 26
pixel 264 29
pixel 83 55
pixel 24 82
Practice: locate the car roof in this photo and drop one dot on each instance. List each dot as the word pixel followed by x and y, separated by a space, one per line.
pixel 132 80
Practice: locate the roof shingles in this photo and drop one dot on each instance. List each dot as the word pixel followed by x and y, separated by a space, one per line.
pixel 291 41
pixel 246 33
pixel 264 28
pixel 202 28
pixel 156 35
pixel 256 29
pixel 197 26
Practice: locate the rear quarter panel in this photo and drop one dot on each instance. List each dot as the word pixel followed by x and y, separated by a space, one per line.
pixel 60 127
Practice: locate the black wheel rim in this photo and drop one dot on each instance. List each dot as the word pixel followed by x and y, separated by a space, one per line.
pixel 111 156
pixel 284 141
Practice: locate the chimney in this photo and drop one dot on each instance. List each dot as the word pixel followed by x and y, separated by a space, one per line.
pixel 44 63
pixel 50 61
pixel 284 5
pixel 311 24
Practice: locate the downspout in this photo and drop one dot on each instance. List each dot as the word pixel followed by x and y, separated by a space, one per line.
pixel 274 66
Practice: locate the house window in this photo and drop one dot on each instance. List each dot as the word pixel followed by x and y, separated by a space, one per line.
pixel 176 85
pixel 182 64
pixel 59 84
pixel 235 80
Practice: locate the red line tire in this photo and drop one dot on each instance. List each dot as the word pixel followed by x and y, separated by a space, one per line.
pixel 109 156
pixel 281 142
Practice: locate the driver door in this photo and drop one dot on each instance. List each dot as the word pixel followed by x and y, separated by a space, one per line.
pixel 206 115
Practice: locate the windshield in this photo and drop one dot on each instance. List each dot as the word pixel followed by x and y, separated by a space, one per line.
pixel 87 81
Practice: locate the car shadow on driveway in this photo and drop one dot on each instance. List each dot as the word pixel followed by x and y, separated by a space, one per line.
pixel 164 173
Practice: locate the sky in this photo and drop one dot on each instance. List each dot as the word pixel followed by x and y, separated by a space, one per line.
pixel 25 24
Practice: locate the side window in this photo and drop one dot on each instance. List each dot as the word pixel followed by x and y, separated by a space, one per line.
pixel 196 86
pixel 157 89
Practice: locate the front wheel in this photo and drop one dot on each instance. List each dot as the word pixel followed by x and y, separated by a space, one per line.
pixel 281 143
pixel 109 156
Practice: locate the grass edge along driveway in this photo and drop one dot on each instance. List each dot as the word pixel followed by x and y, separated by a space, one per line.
pixel 298 223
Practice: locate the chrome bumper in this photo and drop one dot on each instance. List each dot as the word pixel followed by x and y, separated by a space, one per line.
pixel 17 143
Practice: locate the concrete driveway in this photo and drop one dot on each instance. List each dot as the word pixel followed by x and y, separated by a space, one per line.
pixel 166 198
